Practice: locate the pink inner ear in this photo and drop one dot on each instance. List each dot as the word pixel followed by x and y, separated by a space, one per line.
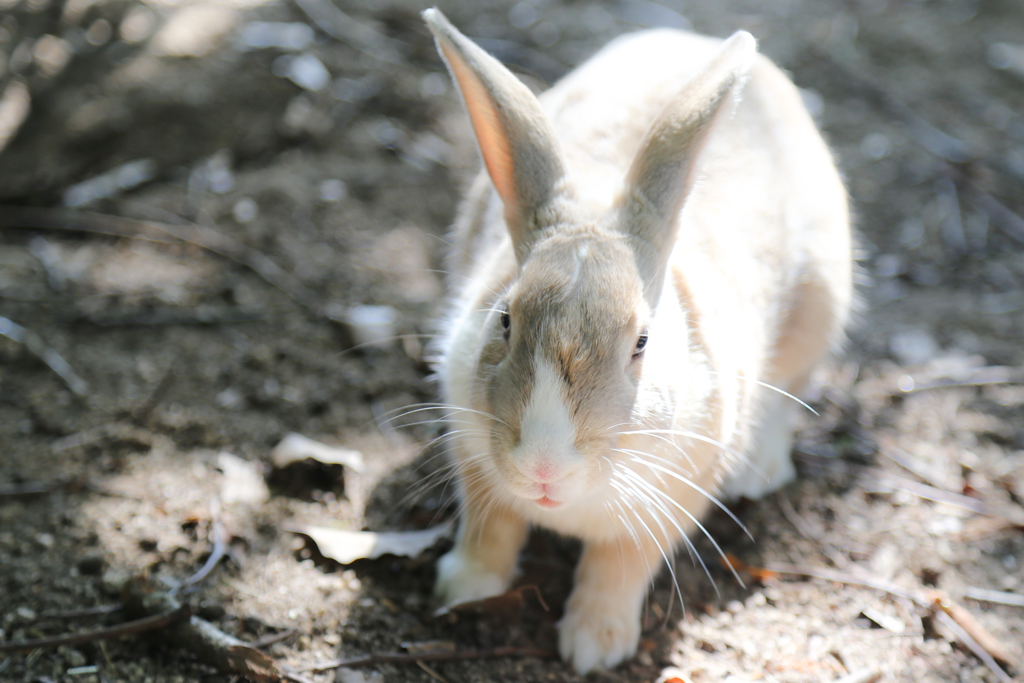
pixel 493 144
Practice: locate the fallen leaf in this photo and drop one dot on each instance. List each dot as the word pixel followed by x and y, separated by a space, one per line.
pixel 509 603
pixel 296 448
pixel 253 664
pixel 673 675
pixel 346 547
pixel 758 574
pixel 242 482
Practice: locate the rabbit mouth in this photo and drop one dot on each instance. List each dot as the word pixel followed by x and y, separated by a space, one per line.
pixel 546 502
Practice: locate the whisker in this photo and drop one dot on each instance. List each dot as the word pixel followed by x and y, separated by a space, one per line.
pixel 700 526
pixel 376 342
pixel 684 433
pixel 445 473
pixel 636 541
pixel 772 387
pixel 670 442
pixel 741 457
pixel 719 504
pixel 421 407
pixel 675 466
pixel 664 531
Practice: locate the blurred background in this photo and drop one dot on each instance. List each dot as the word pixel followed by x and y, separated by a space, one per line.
pixel 223 221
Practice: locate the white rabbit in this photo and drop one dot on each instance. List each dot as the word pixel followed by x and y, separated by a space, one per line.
pixel 657 254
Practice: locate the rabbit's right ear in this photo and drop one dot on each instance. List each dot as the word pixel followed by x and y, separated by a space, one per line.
pixel 516 138
pixel 663 172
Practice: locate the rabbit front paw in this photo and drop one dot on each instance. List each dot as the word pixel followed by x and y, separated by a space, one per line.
pixel 598 630
pixel 460 579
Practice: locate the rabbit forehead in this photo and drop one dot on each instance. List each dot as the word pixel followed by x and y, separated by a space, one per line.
pixel 579 283
pixel 578 305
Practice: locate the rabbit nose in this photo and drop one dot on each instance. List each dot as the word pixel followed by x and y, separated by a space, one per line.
pixel 544 472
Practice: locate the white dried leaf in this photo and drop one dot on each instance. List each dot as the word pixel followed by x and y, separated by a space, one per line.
pixel 296 448
pixel 242 482
pixel 346 547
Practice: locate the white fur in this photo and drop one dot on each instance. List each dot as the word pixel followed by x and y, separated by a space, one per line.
pixel 460 579
pixel 599 630
pixel 547 432
pixel 770 466
pixel 646 189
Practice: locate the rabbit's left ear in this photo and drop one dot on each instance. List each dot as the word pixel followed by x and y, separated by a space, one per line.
pixel 516 138
pixel 662 173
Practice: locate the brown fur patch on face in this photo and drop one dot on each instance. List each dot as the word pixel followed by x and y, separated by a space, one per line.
pixel 579 305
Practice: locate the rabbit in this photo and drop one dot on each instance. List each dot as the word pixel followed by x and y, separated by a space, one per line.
pixel 652 262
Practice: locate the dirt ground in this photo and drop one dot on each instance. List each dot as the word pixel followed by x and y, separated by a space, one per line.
pixel 337 158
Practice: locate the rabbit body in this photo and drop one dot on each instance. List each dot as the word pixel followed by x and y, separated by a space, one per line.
pixel 654 253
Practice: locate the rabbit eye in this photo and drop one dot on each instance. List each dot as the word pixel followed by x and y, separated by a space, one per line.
pixel 506 322
pixel 641 343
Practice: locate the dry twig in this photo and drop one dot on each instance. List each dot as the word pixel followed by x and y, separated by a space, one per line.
pixel 887 448
pixel 340 26
pixel 997 597
pixel 955 617
pixel 220 547
pixel 941 603
pixel 204 640
pixel 173 315
pixel 148 623
pixel 32 488
pixel 268 640
pixel 99 610
pixel 977 377
pixel 44 352
pixel 896 483
pixel 191 233
pixel 441 656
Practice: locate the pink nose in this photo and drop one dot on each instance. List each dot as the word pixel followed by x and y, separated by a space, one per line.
pixel 544 473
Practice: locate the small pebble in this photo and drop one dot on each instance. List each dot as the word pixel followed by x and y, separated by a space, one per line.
pixel 74 658
pixel 245 210
pixel 734 607
pixel 522 15
pixel 432 85
pixel 137 25
pixel 372 326
pixel 99 33
pixel 876 146
pixel 113 581
pixel 332 190
pixel 229 398
pixel 304 70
